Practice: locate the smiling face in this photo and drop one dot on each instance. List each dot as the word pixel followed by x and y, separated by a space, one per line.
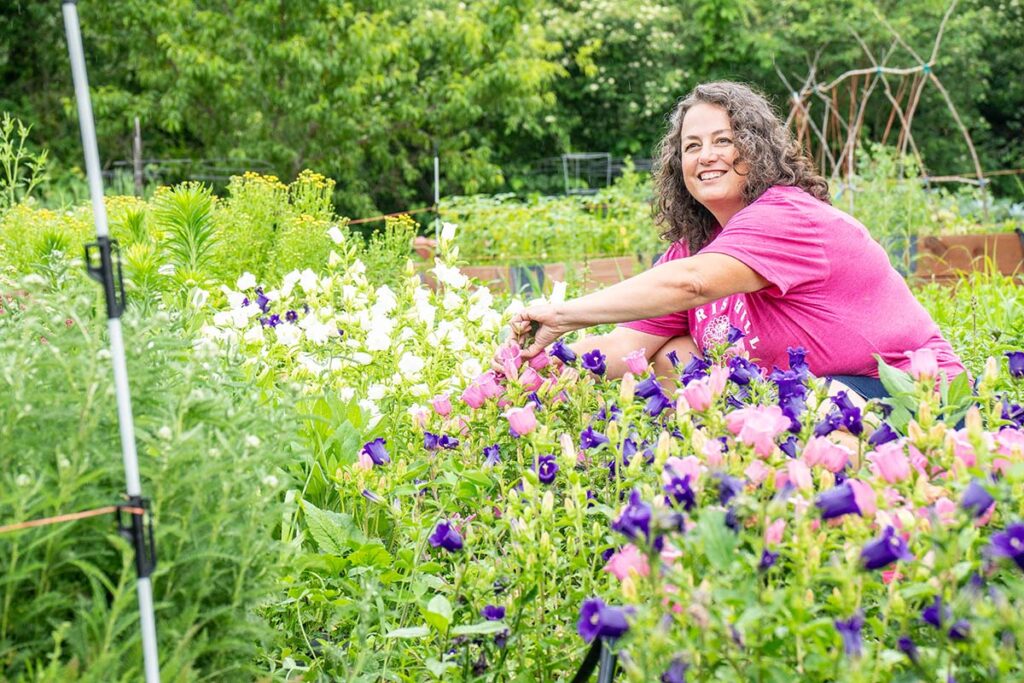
pixel 708 160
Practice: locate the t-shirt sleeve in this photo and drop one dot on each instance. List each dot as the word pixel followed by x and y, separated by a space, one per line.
pixel 671 325
pixel 778 241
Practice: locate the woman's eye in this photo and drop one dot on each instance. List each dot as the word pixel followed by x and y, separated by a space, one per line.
pixel 724 141
pixel 690 147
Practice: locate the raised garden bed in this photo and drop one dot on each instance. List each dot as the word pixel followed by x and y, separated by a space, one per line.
pixel 944 257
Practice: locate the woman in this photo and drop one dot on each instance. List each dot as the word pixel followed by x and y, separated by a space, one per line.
pixel 757 247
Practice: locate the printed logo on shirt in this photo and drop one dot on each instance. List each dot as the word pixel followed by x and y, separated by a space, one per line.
pixel 711 322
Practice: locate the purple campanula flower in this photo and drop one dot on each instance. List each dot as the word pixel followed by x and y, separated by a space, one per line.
pixel 960 630
pixel 673 358
pixel 291 316
pixel 837 501
pixel 501 638
pixel 430 441
pixel 657 404
pixel 563 353
pixel 735 334
pixel 595 362
pixel 976 499
pixel 1014 412
pixel 789 446
pixel 628 449
pixel 305 308
pixel 935 613
pixel 728 488
pixel 635 520
pixel 535 399
pixel 798 361
pixel 264 321
pixel 793 406
pixel 600 620
pixel 697 368
pixel 1009 543
pixel 742 371
pixel 676 671
pixel 274 320
pixel 608 413
pixel 245 301
pixel 734 402
pixel 849 629
pixel 832 421
pixel 372 497
pixel 884 434
pixel 768 559
pixel 850 413
pixel 591 439
pixel 377 451
pixel 1015 360
pixel 884 550
pixel 547 468
pixel 679 490
pixel 906 646
pixel 448 442
pixel 732 520
pixel 647 387
pixel 261 300
pixel 493 612
pixel 492 455
pixel 445 536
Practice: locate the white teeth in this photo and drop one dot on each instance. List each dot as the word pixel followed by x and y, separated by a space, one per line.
pixel 711 175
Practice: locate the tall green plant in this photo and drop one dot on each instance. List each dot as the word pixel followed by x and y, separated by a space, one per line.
pixel 22 169
pixel 184 214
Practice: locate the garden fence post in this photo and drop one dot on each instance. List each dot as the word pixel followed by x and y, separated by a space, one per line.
pixel 100 264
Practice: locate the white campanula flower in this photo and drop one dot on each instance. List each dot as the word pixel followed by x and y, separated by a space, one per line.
pixel 246 281
pixel 491 321
pixel 165 433
pixel 288 334
pixel 362 358
pixel 357 268
pixel 235 299
pixel 451 300
pixel 309 281
pixel 448 231
pixel 199 297
pixel 378 339
pixel 410 365
pixel 334 259
pixel 406 334
pixel 514 306
pixel 222 318
pixel 385 301
pixel 557 293
pixel 376 392
pixel 240 316
pixel 449 275
pixel 310 364
pixel 451 333
pixel 316 331
pixel 336 235
pixel 420 389
pixel 289 281
pixel 254 335
pixel 346 393
pixel 471 368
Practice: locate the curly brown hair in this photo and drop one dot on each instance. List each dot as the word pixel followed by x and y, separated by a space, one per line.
pixel 762 141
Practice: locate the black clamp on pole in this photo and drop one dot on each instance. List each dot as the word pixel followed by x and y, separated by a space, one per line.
pixel 139 533
pixel 103 264
pixel 601 657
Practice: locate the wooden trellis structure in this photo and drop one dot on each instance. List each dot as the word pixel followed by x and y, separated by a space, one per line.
pixel 832 137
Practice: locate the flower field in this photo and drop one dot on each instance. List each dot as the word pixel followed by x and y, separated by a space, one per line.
pixel 344 489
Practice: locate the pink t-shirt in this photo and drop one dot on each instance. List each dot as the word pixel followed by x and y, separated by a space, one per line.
pixel 832 291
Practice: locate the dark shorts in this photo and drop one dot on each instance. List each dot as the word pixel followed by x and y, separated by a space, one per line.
pixel 867 387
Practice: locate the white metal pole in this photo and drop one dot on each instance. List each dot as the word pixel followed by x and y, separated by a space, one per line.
pixel 124 406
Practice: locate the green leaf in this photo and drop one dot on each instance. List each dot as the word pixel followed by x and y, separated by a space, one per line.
pixel 895 381
pixel 334 532
pixel 438 613
pixel 409 632
pixel 719 541
pixel 959 390
pixel 371 554
pixel 439 668
pixel 479 629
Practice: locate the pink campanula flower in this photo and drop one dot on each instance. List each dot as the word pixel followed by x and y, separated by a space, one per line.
pixel 864 496
pixel 419 416
pixel 698 394
pixel 945 510
pixel 962 448
pixel 681 467
pixel 923 364
pixel 918 460
pixel 540 361
pixel 712 452
pixel 522 420
pixel 773 532
pixel 1008 442
pixel 510 357
pixel 758 426
pixel 799 475
pixel 474 396
pixel 364 461
pixel 636 361
pixel 821 450
pixel 669 553
pixel 488 383
pixel 717 379
pixel 530 379
pixel 757 471
pixel 442 405
pixel 627 560
pixel 889 462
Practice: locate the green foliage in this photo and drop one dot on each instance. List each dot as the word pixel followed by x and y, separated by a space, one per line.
pixel 183 215
pixel 21 169
pixel 67 598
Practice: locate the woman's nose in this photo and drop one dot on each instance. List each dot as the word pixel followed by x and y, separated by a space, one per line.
pixel 708 154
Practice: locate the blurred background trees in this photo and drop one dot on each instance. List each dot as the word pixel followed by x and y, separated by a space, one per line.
pixel 362 91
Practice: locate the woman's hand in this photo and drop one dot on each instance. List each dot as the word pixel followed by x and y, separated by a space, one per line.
pixel 547 322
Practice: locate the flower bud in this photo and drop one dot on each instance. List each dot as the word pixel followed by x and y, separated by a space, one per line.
pixel 568 451
pixel 628 388
pixel 924 414
pixel 991 373
pixel 661 451
pixel 545 542
pixel 613 432
pixel 915 432
pixel 629 591
pixel 973 422
pixel 826 480
pixel 547 503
